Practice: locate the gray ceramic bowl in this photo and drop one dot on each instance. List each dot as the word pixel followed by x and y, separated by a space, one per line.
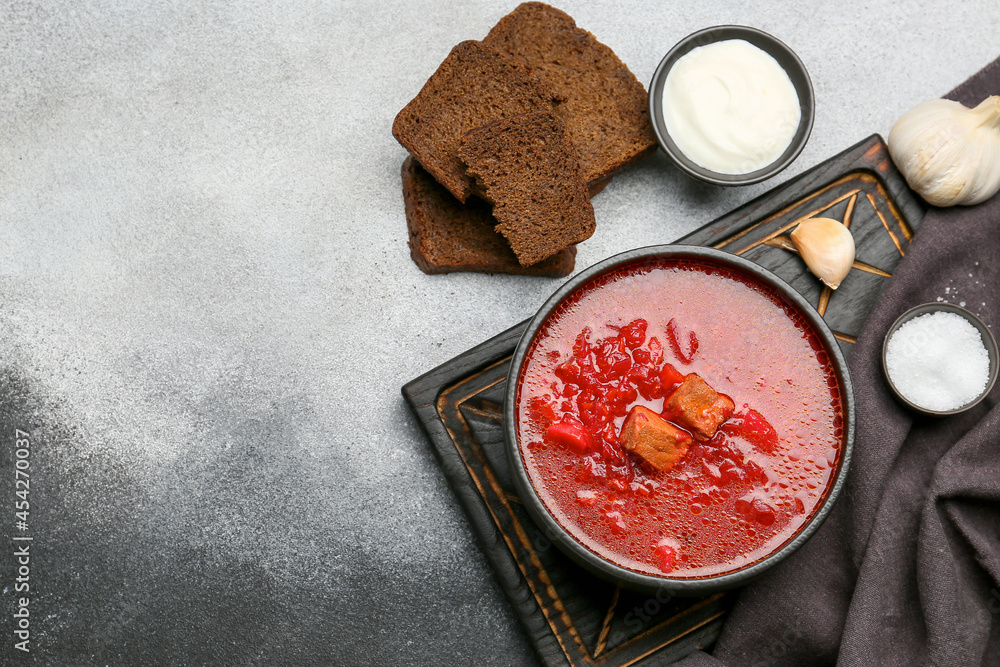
pixel 775 48
pixel 988 340
pixel 589 559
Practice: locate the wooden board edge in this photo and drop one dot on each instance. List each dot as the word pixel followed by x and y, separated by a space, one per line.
pixel 424 390
pixel 870 154
pixel 421 394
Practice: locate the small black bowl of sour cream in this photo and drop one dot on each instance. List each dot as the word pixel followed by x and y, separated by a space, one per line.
pixel 731 105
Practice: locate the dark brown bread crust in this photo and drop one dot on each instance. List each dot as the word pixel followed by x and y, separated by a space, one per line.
pixel 605 109
pixel 529 172
pixel 475 85
pixel 447 236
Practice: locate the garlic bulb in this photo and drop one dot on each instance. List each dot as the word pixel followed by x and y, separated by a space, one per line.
pixel 827 247
pixel 948 153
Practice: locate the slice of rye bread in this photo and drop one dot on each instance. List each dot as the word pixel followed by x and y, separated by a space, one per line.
pixel 447 236
pixel 475 85
pixel 529 172
pixel 605 107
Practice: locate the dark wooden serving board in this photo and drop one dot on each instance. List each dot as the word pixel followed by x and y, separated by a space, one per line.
pixel 572 617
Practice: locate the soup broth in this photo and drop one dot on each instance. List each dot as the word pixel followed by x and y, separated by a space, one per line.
pixel 634 337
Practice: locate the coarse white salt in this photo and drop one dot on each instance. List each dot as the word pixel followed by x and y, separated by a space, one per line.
pixel 938 361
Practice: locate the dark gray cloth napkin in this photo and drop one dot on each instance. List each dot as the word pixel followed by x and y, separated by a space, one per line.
pixel 906 569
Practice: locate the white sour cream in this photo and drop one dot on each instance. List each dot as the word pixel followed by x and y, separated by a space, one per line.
pixel 730 107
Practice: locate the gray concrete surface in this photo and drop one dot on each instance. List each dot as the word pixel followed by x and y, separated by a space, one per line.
pixel 207 308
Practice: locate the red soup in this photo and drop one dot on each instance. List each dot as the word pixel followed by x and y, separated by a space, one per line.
pixel 679 418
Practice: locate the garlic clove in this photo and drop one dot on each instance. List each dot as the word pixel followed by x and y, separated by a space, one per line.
pixel 948 153
pixel 827 247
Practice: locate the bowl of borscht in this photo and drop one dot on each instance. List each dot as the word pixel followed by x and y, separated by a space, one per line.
pixel 678 418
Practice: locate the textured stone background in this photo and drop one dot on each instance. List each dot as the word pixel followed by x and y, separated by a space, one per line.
pixel 207 308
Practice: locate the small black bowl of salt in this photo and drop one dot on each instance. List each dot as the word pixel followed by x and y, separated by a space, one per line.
pixel 940 359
